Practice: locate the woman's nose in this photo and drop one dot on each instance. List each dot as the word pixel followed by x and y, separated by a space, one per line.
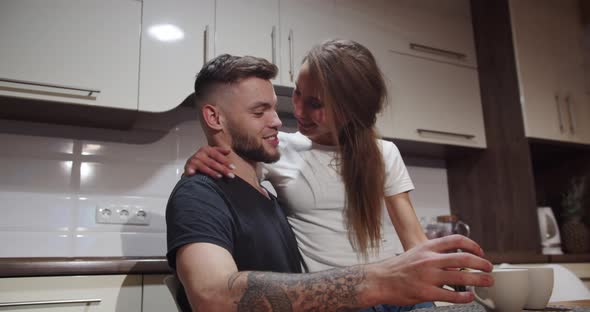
pixel 297 108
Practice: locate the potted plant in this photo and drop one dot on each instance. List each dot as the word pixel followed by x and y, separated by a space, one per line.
pixel 574 230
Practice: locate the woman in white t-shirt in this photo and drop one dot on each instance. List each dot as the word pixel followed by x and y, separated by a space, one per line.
pixel 341 186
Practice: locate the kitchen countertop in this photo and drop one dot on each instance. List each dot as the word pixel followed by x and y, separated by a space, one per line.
pixel 18 267
pixel 13 267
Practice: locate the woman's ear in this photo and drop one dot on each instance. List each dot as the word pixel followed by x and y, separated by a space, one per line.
pixel 212 116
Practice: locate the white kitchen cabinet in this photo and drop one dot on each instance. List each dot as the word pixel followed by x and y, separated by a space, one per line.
pixel 247 28
pixel 176 40
pixel 304 24
pixel 431 101
pixel 366 22
pixel 550 62
pixel 433 29
pixel 82 52
pixel 156 296
pixel 426 52
pixel 78 293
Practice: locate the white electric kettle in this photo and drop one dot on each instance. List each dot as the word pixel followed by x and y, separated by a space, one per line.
pixel 550 238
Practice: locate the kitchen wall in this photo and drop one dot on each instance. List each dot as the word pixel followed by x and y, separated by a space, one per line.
pixel 53 178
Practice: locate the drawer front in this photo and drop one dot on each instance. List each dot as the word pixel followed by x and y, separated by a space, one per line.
pixel 71 293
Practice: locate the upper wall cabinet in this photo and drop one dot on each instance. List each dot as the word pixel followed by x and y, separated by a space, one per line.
pixel 83 52
pixel 548 42
pixel 432 29
pixel 433 91
pixel 247 28
pixel 304 23
pixel 431 101
pixel 176 40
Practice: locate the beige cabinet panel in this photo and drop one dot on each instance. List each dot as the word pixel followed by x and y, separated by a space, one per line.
pixel 438 30
pixel 113 293
pixel 431 101
pixel 548 43
pixel 156 296
pixel 82 52
pixel 304 24
pixel 247 28
pixel 176 40
pixel 570 69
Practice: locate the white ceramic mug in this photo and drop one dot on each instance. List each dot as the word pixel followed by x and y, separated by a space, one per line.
pixel 509 292
pixel 540 287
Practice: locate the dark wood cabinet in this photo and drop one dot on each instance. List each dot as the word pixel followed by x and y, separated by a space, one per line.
pixel 497 190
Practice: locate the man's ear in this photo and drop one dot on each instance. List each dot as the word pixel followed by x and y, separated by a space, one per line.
pixel 212 116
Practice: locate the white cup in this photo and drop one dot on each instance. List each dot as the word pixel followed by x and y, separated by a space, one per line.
pixel 509 292
pixel 540 287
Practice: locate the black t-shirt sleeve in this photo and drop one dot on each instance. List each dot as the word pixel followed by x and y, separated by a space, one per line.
pixel 197 213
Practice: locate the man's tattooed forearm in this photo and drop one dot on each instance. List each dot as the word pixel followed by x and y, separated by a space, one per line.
pixel 333 290
pixel 260 295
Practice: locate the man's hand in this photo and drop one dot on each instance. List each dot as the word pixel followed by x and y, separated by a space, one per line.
pixel 419 274
pixel 212 161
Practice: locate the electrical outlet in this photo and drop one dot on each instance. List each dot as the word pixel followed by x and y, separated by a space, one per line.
pixel 122 214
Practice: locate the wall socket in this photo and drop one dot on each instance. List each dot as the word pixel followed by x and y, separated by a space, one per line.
pixel 122 214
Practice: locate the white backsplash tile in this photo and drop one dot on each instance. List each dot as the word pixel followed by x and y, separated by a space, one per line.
pixel 22 174
pixel 120 244
pixel 128 178
pixel 189 143
pixel 35 244
pixel 32 146
pixel 430 198
pixel 191 128
pixel 162 150
pixel 51 186
pixel 36 212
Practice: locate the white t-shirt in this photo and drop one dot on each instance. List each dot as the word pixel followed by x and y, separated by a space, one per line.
pixel 311 190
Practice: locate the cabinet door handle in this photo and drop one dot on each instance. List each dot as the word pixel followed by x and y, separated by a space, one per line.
pixel 570 111
pixel 89 96
pixel 455 134
pixel 437 51
pixel 559 115
pixel 291 65
pixel 48 302
pixel 206 45
pixel 274 44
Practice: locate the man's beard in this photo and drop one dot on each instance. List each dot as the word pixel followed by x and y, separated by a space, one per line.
pixel 249 148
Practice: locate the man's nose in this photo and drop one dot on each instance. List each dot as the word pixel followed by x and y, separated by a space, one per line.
pixel 276 121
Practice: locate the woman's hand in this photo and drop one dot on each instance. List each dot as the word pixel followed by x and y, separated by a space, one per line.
pixel 212 161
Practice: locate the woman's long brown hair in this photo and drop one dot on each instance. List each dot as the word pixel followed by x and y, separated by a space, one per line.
pixel 353 91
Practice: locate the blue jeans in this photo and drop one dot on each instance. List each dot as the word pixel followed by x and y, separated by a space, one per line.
pixel 392 308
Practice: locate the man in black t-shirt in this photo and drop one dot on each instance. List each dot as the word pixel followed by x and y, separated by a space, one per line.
pixel 231 246
pixel 233 215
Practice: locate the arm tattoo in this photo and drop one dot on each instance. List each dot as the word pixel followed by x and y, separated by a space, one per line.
pixel 333 290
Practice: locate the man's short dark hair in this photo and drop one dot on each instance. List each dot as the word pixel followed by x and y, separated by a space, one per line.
pixel 229 69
